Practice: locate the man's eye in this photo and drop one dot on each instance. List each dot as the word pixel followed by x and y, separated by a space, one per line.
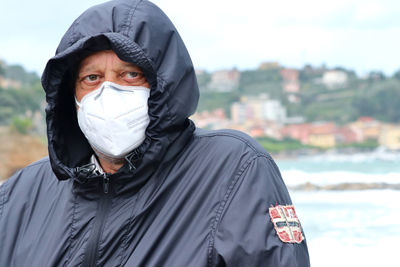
pixel 132 74
pixel 91 77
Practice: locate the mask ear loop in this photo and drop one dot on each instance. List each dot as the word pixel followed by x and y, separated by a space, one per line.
pixel 77 103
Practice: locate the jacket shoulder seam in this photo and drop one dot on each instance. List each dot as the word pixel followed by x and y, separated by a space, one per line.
pixel 39 162
pixel 223 204
pixel 248 144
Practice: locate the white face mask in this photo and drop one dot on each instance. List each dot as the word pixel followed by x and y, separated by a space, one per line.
pixel 114 118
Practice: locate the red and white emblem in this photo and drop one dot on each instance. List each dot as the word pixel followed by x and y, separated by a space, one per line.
pixel 286 223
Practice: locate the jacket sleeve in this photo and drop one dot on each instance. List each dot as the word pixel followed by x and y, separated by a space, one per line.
pixel 244 233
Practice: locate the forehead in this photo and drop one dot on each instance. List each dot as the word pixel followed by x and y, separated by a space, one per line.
pixel 102 59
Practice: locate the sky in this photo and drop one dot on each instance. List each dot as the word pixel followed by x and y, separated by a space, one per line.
pixel 362 35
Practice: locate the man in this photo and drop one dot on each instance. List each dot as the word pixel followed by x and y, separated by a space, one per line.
pixel 129 180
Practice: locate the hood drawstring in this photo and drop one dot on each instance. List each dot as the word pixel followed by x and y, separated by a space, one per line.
pixel 83 173
pixel 132 157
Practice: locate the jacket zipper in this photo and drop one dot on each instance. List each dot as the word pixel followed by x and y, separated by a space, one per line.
pixel 103 207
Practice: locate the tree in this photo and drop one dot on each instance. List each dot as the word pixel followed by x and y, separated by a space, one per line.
pixel 376 76
pixel 2 70
pixel 380 102
pixel 396 75
pixel 203 79
pixel 22 125
pixel 18 73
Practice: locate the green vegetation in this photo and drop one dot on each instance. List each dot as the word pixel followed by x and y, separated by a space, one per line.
pixel 23 97
pixel 379 100
pixel 2 71
pixel 22 125
pixel 288 144
pixel 396 75
pixel 375 96
pixel 369 144
pixel 276 146
pixel 203 79
pixel 18 73
pixel 255 82
pixel 214 100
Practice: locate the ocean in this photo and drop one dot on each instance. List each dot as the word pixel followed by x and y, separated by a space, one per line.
pixel 348 227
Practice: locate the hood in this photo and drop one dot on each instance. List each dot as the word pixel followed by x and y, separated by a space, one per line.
pixel 140 33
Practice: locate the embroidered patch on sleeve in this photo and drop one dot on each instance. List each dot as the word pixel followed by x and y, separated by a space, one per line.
pixel 286 223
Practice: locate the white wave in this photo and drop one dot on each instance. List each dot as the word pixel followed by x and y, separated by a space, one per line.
pixel 296 177
pixel 350 228
pixel 329 252
pixel 378 154
pixel 387 199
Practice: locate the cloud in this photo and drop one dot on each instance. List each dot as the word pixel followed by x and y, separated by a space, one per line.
pixel 349 33
pixel 359 34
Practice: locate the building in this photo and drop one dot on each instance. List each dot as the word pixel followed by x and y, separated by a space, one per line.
pixel 334 79
pixel 315 134
pixel 323 135
pixel 213 120
pixel 297 131
pixel 224 80
pixel 258 128
pixel 7 83
pixel 259 108
pixel 322 140
pixel 310 71
pixel 346 135
pixel 290 80
pixel 366 128
pixel 270 65
pixel 390 137
pixel 199 71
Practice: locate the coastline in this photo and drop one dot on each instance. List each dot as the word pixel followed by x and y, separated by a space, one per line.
pixel 344 187
pixel 340 169
pixel 342 151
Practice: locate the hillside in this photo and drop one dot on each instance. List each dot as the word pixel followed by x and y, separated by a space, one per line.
pixel 315 95
pixel 21 95
pixel 22 101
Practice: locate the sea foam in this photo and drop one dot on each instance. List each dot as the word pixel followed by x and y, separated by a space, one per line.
pixel 297 177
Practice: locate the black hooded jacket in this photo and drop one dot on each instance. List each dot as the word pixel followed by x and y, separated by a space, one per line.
pixel 185 197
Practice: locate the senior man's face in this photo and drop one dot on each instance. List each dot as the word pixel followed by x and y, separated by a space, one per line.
pixel 106 66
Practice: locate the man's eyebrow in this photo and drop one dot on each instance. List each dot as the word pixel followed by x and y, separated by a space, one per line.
pixel 94 67
pixel 127 64
pixel 87 68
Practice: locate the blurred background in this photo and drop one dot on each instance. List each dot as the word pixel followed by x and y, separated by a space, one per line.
pixel 316 83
